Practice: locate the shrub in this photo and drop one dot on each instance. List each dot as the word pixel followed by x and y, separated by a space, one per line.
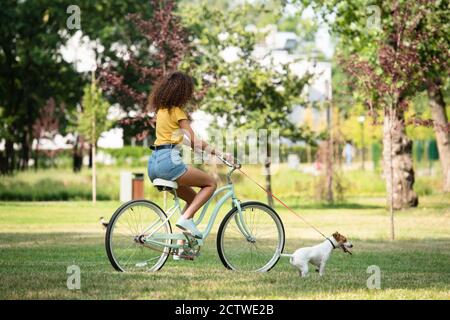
pixel 46 190
pixel 128 155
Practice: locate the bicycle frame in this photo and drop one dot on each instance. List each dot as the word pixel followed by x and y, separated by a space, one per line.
pixel 153 237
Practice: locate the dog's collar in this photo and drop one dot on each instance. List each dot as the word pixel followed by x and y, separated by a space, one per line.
pixel 334 246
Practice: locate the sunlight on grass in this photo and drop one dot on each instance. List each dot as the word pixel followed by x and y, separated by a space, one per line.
pixel 39 240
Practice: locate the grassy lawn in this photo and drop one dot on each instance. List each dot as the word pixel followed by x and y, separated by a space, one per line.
pixel 39 240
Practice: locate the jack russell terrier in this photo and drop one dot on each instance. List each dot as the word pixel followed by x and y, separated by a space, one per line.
pixel 318 255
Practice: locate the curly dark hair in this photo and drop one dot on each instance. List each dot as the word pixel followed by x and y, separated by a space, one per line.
pixel 173 90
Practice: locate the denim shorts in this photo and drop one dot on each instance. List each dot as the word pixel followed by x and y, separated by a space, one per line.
pixel 166 164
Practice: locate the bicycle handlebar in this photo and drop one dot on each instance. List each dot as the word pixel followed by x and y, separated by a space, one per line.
pixel 236 165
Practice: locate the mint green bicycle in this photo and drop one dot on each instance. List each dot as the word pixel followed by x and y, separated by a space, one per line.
pixel 139 236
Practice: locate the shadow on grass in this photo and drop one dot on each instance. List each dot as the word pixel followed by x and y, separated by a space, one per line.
pixel 405 265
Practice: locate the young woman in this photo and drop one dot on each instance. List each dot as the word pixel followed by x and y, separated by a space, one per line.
pixel 168 99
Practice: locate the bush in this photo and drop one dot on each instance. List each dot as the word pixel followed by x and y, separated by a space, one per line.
pixel 58 159
pixel 300 151
pixel 47 190
pixel 128 155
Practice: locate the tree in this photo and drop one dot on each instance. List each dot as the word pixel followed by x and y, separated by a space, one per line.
pixel 435 57
pixel 29 75
pixel 362 25
pixel 388 84
pixel 245 93
pixel 32 69
pixel 129 83
pixel 93 122
pixel 46 126
pixel 440 122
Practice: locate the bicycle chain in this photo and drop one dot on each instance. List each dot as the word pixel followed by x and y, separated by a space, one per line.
pixel 171 252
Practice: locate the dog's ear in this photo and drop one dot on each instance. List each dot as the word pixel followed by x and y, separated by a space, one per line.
pixel 338 237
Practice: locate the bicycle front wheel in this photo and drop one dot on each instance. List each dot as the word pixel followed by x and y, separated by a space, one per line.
pixel 252 240
pixel 124 237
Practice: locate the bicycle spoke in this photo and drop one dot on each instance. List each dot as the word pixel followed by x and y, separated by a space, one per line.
pixel 130 234
pixel 126 253
pixel 130 225
pixel 259 252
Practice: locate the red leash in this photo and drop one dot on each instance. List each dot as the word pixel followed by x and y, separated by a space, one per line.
pixel 285 205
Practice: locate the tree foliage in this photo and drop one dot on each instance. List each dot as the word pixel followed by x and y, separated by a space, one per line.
pixel 245 93
pixel 93 121
pixel 32 69
pixel 159 47
pixel 402 44
pixel 242 91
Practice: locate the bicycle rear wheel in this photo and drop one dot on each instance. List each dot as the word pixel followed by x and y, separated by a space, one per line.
pixel 126 250
pixel 258 250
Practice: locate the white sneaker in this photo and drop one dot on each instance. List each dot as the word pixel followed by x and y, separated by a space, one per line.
pixel 180 251
pixel 177 257
pixel 189 225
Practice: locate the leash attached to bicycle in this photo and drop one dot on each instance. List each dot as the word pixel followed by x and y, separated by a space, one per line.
pixel 238 166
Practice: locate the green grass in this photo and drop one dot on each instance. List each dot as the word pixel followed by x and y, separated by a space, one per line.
pixel 39 240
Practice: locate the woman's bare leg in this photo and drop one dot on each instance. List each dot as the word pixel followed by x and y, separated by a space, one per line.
pixel 197 178
pixel 187 194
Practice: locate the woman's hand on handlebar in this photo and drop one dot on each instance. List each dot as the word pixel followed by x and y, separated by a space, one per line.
pixel 228 157
pixel 229 160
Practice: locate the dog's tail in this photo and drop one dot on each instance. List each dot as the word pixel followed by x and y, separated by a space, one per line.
pixel 290 256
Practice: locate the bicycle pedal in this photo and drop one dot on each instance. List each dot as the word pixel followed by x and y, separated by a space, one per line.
pixel 186 257
pixel 191 239
pixel 188 235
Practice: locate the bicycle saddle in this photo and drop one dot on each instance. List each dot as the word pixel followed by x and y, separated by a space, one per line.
pixel 165 185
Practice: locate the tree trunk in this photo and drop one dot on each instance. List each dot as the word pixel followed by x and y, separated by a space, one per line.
pixel 10 156
pixel 94 175
pixel 398 163
pixel 3 163
pixel 308 154
pixel 90 157
pixel 24 152
pixel 267 173
pixel 36 156
pixel 440 120
pixel 5 158
pixel 329 156
pixel 78 154
pixel 329 171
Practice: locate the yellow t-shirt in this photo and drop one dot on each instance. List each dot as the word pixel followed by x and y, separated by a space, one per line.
pixel 167 126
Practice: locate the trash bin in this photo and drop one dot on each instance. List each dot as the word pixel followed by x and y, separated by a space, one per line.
pixel 137 186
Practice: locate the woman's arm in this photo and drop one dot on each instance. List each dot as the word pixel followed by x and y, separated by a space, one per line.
pixel 194 143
